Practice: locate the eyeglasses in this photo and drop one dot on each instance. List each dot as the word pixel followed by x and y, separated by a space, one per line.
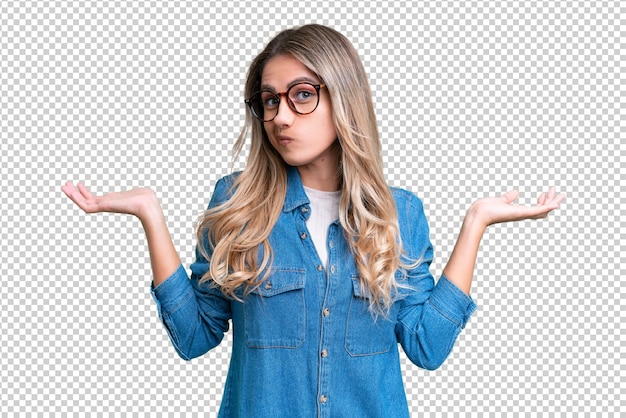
pixel 302 98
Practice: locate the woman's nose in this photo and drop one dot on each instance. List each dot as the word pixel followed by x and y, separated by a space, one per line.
pixel 284 115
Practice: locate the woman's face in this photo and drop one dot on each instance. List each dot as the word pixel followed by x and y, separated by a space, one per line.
pixel 303 141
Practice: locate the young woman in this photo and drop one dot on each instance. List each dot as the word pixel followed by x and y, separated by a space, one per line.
pixel 321 266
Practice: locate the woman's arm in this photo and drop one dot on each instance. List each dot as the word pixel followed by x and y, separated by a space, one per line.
pixel 485 212
pixel 143 204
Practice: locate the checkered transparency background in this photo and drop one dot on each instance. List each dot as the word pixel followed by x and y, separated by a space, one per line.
pixel 472 99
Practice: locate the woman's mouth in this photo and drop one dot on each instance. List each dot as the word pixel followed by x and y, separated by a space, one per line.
pixel 284 140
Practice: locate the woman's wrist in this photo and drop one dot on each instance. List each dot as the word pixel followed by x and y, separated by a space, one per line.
pixel 475 219
pixel 149 208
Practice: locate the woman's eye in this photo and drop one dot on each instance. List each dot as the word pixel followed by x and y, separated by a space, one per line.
pixel 303 95
pixel 271 101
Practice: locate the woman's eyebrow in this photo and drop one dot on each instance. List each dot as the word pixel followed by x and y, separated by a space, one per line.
pixel 295 81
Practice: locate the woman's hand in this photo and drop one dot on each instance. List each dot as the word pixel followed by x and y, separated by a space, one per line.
pixel 144 204
pixel 138 202
pixel 492 210
pixel 485 212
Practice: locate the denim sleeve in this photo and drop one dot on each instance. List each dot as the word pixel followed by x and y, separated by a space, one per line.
pixel 194 315
pixel 431 316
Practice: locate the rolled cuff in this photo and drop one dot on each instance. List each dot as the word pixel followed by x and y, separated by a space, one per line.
pixel 452 302
pixel 173 292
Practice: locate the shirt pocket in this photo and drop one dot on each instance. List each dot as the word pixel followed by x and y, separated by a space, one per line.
pixel 367 333
pixel 275 312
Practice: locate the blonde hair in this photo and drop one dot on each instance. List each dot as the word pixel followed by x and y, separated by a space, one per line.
pixel 239 227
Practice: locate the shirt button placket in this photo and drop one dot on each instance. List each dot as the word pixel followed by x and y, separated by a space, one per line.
pixel 324 365
pixel 326 340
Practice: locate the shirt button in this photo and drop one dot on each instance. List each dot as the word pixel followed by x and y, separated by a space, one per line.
pixel 305 209
pixel 303 235
pixel 325 312
pixel 331 243
pixel 268 285
pixel 320 268
pixel 324 353
pixel 332 268
pixel 323 399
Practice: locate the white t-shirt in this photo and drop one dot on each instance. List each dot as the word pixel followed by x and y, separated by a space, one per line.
pixel 324 211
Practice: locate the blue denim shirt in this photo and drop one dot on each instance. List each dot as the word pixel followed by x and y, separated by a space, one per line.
pixel 304 343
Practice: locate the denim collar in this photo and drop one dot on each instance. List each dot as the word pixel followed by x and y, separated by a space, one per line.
pixel 296 195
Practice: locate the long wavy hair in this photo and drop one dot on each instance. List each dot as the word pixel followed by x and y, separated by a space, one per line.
pixel 239 227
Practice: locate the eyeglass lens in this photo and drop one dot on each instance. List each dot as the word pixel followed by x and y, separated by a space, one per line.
pixel 302 98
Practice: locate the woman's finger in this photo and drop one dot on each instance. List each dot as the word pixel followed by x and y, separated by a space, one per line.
pixel 541 200
pixel 84 191
pixel 510 196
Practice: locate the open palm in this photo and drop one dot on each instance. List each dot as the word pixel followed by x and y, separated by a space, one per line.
pixel 133 202
pixel 494 210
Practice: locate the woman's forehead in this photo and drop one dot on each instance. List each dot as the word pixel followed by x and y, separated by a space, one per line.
pixel 283 70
